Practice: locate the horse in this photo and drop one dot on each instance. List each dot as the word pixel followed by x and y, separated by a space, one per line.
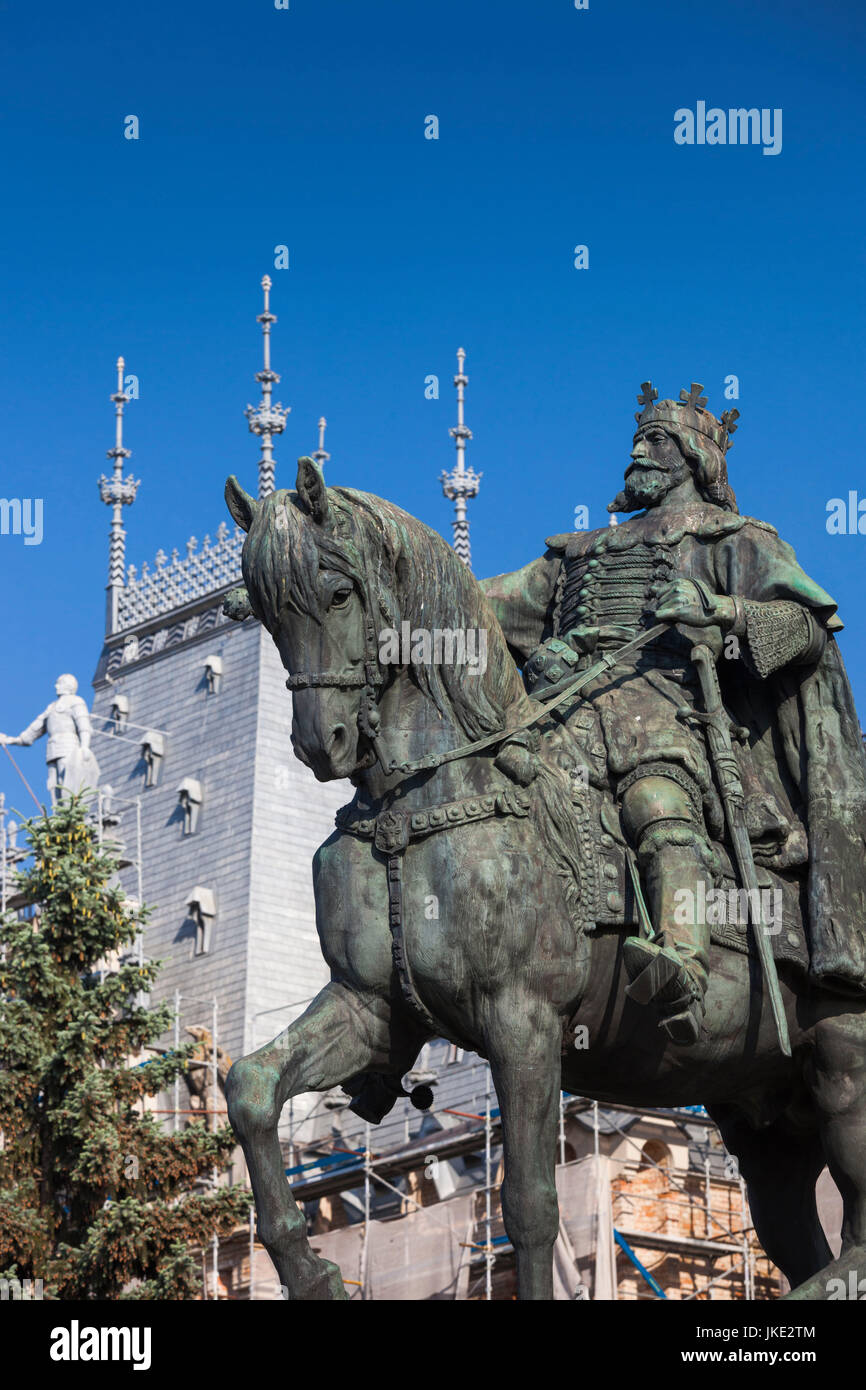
pixel 462 895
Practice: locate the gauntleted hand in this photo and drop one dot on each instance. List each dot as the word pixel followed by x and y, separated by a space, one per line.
pixel 687 601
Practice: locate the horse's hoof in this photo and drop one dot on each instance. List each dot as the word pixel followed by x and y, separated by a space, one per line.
pixel 327 1284
pixel 336 1287
pixel 319 1283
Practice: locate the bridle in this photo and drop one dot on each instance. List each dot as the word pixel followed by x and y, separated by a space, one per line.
pixel 367 677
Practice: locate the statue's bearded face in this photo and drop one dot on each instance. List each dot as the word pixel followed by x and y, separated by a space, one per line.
pixel 657 466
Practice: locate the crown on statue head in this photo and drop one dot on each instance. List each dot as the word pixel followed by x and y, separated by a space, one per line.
pixel 688 413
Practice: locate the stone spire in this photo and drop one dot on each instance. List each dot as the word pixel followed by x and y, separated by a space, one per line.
pixel 117 492
pixel 267 419
pixel 462 482
pixel 321 456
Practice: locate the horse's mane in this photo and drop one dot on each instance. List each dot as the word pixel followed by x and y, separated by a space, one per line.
pixel 410 574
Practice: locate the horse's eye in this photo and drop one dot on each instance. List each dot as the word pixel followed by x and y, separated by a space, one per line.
pixel 341 597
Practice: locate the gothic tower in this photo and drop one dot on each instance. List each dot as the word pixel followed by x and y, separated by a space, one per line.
pixel 219 820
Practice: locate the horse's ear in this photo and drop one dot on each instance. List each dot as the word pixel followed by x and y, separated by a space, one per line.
pixel 242 507
pixel 313 490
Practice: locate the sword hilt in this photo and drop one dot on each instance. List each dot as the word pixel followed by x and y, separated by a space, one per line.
pixel 739 731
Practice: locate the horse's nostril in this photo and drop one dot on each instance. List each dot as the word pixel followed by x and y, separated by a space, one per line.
pixel 337 739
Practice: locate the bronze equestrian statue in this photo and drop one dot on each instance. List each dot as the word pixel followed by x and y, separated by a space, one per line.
pixel 601 838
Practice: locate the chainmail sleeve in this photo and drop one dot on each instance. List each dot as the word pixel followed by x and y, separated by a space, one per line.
pixel 782 615
pixel 777 634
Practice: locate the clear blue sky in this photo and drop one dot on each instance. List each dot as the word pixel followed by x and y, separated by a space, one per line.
pixel 306 127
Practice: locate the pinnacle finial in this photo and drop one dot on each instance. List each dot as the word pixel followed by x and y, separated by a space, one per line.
pixel 117 492
pixel 267 418
pixel 462 482
pixel 321 455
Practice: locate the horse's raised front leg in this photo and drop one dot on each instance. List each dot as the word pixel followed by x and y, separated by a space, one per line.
pixel 524 1047
pixel 341 1033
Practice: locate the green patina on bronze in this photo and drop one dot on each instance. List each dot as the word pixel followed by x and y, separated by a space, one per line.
pixel 573 855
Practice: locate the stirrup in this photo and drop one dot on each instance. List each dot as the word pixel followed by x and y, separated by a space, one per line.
pixel 656 973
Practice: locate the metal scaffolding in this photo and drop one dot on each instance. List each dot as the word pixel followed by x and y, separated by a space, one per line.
pixel 348 1183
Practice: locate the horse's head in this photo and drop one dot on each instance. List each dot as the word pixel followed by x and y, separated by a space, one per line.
pixel 305 585
pixel 328 571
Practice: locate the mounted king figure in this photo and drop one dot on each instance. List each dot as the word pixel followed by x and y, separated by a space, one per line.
pixel 790 753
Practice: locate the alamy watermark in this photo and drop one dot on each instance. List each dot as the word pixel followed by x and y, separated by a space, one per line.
pixel 26 1289
pixel 77 1343
pixel 846 516
pixel 22 516
pixel 719 907
pixel 854 1290
pixel 736 126
pixel 439 646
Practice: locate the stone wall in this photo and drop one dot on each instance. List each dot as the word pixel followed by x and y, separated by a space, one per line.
pixel 261 818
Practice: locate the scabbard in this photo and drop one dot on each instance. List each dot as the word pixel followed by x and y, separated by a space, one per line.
pixel 730 785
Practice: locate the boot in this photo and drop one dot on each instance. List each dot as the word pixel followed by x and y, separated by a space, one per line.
pixel 671 972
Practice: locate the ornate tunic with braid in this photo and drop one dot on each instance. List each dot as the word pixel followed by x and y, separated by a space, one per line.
pixel 603 584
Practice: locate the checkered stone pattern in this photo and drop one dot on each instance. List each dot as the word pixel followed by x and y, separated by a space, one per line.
pixel 176 582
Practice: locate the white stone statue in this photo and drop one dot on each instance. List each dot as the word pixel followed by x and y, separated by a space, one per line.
pixel 71 764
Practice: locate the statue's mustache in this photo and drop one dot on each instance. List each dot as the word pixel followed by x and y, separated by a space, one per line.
pixel 646 464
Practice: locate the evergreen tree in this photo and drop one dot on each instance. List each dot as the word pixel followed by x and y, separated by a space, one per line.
pixel 96 1200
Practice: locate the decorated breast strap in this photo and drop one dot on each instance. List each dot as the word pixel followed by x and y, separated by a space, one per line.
pixel 392 830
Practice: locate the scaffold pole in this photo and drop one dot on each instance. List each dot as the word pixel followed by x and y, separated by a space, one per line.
pixel 488 1180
